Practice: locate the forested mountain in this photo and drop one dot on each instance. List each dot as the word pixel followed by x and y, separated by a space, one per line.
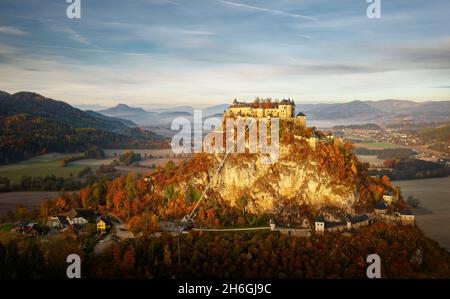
pixel 38 105
pixel 31 124
pixel 438 134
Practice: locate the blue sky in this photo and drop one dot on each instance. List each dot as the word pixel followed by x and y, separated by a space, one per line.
pixel 204 52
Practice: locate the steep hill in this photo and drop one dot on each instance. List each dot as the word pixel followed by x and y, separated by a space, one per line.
pixel 327 177
pixel 31 124
pixel 38 105
pixel 303 183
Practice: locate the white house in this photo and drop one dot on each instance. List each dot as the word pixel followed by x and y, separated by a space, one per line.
pixel 57 222
pixel 272 225
pixel 82 216
pixel 388 197
pixel 313 141
pixel 407 217
pixel 381 207
pixel 320 224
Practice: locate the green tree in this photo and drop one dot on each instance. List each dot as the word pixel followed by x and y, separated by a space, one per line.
pixel 170 192
pixel 131 185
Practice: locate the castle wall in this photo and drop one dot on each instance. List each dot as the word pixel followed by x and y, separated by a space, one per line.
pixel 301 121
pixel 283 111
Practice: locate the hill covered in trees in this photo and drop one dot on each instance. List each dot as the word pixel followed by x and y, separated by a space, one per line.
pixel 146 203
pixel 31 124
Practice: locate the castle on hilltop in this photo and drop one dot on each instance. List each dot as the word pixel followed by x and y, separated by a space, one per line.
pixel 284 109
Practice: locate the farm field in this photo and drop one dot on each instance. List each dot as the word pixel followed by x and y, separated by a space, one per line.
pixel 434 195
pixel 43 165
pixel 111 153
pixel 378 145
pixel 50 164
pixel 160 158
pixel 371 159
pixel 10 200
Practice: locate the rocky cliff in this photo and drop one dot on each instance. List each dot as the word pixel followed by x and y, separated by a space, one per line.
pixel 262 185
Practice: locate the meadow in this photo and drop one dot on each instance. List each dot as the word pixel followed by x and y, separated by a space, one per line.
pixel 43 165
pixel 371 159
pixel 378 145
pixel 50 164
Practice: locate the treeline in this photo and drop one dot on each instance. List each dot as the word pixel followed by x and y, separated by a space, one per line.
pixel 368 126
pixel 387 153
pixel 85 177
pixel 23 136
pixel 45 183
pixel 404 251
pixel 409 169
pixel 440 134
pixel 129 158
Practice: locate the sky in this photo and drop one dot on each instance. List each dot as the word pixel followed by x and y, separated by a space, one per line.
pixel 205 52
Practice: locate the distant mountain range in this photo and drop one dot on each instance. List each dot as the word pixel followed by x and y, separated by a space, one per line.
pixel 159 117
pixel 377 111
pixel 383 111
pixel 31 124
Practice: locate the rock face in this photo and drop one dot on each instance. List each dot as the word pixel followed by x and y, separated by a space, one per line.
pixel 263 185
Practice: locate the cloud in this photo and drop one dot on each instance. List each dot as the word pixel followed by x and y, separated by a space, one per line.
pixel 11 30
pixel 262 9
pixel 74 35
pixel 160 2
pixel 181 31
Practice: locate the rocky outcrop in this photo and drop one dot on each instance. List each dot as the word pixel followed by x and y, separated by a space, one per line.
pixel 263 185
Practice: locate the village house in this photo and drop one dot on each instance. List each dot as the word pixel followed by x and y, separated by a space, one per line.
pixel 82 216
pixel 358 221
pixel 335 226
pixel 103 224
pixel 27 228
pixel 57 222
pixel 303 231
pixel 380 208
pixel 313 140
pixel 319 226
pixel 272 225
pixel 322 225
pixel 407 217
pixel 389 197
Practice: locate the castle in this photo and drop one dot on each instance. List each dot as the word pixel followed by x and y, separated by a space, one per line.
pixel 284 109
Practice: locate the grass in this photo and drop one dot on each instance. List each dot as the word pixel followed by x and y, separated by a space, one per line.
pixel 5 227
pixel 372 160
pixel 49 164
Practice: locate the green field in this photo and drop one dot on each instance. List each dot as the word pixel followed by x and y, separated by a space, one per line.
pixel 372 160
pixel 43 165
pixel 378 145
